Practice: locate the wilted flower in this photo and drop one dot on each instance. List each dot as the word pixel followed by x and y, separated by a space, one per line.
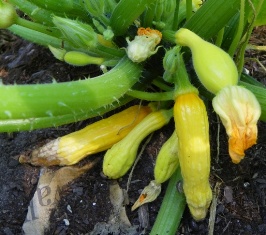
pixel 239 111
pixel 143 45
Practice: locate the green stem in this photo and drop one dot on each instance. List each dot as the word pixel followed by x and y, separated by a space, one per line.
pixel 241 55
pixel 171 210
pixel 39 38
pixel 33 11
pixel 219 38
pixel 176 16
pixel 239 32
pixel 169 35
pixel 149 15
pixel 181 12
pixel 109 52
pixel 44 122
pixel 188 9
pixel 125 13
pixel 67 6
pixel 57 99
pixel 38 27
pixel 105 20
pixel 181 79
pixel 156 96
pixel 161 85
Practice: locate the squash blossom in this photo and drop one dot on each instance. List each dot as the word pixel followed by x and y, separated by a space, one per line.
pixel 214 67
pixel 143 45
pixel 96 137
pixel 192 129
pixel 239 111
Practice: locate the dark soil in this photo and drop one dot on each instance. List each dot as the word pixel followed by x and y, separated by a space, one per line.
pixel 242 188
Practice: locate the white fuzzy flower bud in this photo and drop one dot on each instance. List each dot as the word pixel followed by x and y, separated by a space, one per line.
pixel 143 45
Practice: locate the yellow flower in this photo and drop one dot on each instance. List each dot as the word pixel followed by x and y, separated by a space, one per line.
pixel 239 111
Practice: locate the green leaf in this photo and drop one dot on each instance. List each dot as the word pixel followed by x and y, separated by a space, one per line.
pixel 212 17
pixel 260 6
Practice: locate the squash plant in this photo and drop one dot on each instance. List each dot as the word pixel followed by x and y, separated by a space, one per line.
pixel 134 42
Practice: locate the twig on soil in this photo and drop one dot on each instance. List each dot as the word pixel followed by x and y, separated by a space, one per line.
pixel 218 138
pixel 257 61
pixel 213 208
pixel 136 161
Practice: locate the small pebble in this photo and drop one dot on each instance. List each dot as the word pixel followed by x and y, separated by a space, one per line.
pixel 66 221
pixel 220 209
pixel 34 180
pixel 78 191
pixel 69 208
pixel 246 184
pixel 228 194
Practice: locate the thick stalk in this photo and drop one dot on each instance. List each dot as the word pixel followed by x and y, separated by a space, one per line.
pixel 181 79
pixel 188 9
pixel 241 53
pixel 176 16
pixel 56 99
pixel 171 210
pixel 39 38
pixel 44 122
pixel 219 39
pixel 66 6
pixel 148 16
pixel 42 15
pixel 239 32
pixel 33 11
pixel 38 27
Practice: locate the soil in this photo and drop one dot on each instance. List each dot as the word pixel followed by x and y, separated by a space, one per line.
pixel 241 188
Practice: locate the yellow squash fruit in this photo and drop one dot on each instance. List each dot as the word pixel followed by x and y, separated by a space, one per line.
pixel 166 164
pixel 78 58
pixel 192 130
pixel 118 160
pixel 214 67
pixel 167 160
pixel 94 138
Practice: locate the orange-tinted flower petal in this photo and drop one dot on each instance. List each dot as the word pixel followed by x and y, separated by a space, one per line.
pixel 239 111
